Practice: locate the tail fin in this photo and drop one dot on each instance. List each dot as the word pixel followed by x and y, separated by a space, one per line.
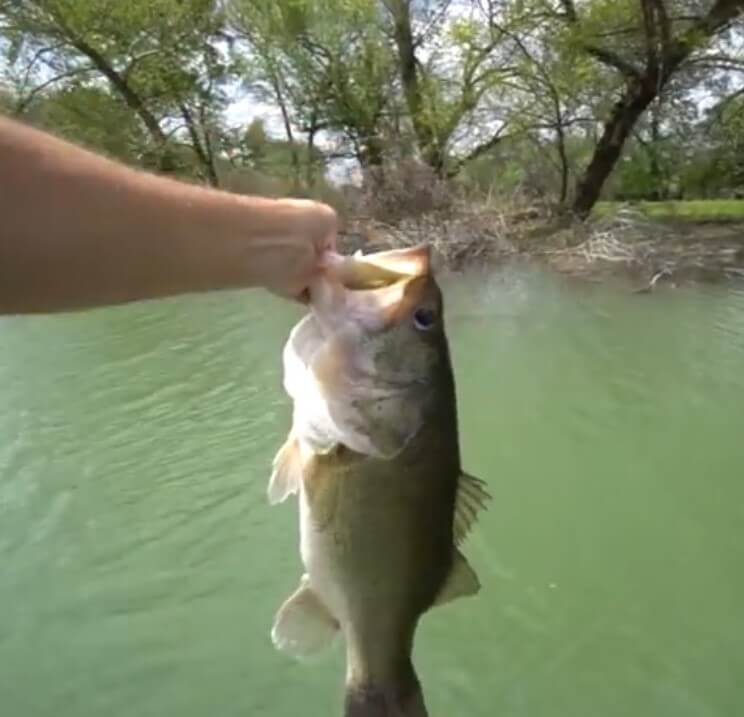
pixel 402 699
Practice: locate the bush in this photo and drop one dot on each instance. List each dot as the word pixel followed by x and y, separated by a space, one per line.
pixel 406 189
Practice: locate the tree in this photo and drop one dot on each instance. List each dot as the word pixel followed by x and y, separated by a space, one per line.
pixel 325 65
pixel 157 56
pixel 93 117
pixel 355 68
pixel 468 58
pixel 645 46
pixel 545 94
pixel 716 167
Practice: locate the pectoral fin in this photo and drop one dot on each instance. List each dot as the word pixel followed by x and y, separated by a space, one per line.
pixel 322 490
pixel 287 471
pixel 303 625
pixel 472 497
pixel 461 582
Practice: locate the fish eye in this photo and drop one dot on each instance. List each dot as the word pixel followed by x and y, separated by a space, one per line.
pixel 423 319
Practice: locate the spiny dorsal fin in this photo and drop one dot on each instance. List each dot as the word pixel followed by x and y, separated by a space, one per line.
pixel 472 497
pixel 461 581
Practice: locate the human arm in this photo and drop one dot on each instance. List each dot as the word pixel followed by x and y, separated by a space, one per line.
pixel 78 231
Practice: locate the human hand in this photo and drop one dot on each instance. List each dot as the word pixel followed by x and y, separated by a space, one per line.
pixel 296 257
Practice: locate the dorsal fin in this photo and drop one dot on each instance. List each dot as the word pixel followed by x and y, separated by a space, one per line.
pixel 472 497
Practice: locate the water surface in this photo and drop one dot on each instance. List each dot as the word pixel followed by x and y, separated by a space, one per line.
pixel 140 564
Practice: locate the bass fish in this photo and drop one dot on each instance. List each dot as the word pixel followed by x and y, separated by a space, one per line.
pixel 374 457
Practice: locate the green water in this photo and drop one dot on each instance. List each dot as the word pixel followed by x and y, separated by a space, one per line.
pixel 140 564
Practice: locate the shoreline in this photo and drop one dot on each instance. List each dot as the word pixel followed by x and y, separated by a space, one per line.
pixel 648 253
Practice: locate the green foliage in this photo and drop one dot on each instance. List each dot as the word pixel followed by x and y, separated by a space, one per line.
pixel 7 99
pixel 512 96
pixel 156 56
pixel 93 117
pixel 326 64
pixel 695 210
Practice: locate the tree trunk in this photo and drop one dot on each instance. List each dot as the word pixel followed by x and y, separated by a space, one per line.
pixel 619 125
pixel 287 122
pixel 560 140
pixel 409 75
pixel 642 88
pixel 654 165
pixel 201 150
pixel 310 167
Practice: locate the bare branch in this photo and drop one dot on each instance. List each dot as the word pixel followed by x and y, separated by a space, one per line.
pixel 27 99
pixel 197 146
pixel 478 151
pixel 720 16
pixel 37 57
pixel 433 22
pixel 607 57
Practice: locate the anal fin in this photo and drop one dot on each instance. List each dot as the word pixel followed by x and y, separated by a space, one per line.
pixel 303 625
pixel 461 581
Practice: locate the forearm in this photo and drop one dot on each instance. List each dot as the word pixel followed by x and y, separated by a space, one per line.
pixel 77 230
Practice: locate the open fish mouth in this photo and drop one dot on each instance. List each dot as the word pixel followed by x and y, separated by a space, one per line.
pixel 361 272
pixel 364 290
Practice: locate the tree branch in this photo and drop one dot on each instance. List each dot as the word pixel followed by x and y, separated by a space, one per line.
pixel 612 59
pixel 197 146
pixel 664 24
pixel 437 16
pixel 605 56
pixel 477 151
pixel 26 100
pixel 32 62
pixel 721 14
pixel 135 61
pixel 650 35
pixel 120 84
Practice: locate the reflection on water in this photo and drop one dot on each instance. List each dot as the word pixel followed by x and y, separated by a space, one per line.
pixel 140 564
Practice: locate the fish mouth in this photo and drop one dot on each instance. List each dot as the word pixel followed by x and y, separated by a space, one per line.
pixel 361 272
pixel 366 289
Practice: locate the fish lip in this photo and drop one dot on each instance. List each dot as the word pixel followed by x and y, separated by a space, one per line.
pixel 412 261
pixel 339 308
pixel 366 291
pixel 380 269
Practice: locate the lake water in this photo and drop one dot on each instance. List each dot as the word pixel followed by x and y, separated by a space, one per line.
pixel 141 565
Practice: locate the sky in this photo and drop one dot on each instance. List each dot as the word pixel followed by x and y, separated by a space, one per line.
pixel 244 106
pixel 243 109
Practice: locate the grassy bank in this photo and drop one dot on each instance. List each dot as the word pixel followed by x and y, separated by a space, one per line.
pixel 694 210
